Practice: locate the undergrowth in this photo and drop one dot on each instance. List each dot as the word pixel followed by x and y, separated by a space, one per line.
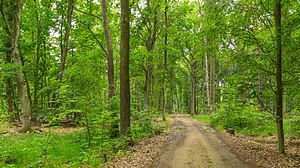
pixel 249 121
pixel 49 149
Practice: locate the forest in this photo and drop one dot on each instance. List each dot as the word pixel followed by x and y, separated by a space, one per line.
pixel 82 80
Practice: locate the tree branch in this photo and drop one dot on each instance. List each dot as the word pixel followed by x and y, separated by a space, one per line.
pixel 91 31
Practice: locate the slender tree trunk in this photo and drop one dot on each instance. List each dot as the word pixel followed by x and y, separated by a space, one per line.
pixel 124 69
pixel 207 82
pixel 152 26
pixel 110 58
pixel 279 91
pixel 193 87
pixel 37 59
pixel 203 84
pixel 171 92
pixel 165 60
pixel 137 99
pixel 149 73
pixel 15 32
pixel 212 83
pixel 260 99
pixel 110 67
pixel 155 90
pixel 65 46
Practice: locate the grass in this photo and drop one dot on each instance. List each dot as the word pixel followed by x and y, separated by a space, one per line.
pixel 46 150
pixel 67 149
pixel 202 118
pixel 268 128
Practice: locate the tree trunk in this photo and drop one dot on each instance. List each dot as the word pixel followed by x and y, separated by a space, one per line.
pixel 260 99
pixel 149 73
pixel 137 99
pixel 15 33
pixel 152 26
pixel 110 57
pixel 110 67
pixel 124 69
pixel 212 80
pixel 165 60
pixel 207 81
pixel 37 60
pixel 203 85
pixel 65 46
pixel 279 91
pixel 193 87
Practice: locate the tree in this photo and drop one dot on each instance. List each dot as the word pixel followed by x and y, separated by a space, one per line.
pixel 110 65
pixel 279 91
pixel 65 44
pixel 13 30
pixel 124 69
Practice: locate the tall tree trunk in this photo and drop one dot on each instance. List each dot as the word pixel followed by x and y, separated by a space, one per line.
pixel 124 69
pixel 137 97
pixel 279 91
pixel 165 60
pixel 37 59
pixel 14 32
pixel 65 46
pixel 152 26
pixel 212 82
pixel 110 54
pixel 207 82
pixel 260 98
pixel 149 72
pixel 110 67
pixel 203 85
pixel 193 87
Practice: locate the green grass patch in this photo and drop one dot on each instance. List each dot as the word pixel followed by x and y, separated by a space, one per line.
pixel 202 118
pixel 46 150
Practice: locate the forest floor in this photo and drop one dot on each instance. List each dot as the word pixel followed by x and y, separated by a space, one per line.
pixel 190 144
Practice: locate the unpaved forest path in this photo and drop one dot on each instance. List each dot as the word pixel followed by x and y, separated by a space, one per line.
pixel 196 145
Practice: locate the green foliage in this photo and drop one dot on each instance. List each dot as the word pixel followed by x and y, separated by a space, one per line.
pixel 243 119
pixel 143 125
pixel 46 150
pixel 292 123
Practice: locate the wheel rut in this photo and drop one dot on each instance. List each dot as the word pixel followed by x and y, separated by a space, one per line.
pixel 195 145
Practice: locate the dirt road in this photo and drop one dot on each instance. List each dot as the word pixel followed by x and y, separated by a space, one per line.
pixel 195 145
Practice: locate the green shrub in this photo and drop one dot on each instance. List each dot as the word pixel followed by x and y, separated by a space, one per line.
pixel 246 120
pixel 142 125
pixel 292 123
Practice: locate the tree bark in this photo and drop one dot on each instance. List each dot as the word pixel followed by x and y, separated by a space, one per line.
pixel 65 46
pixel 37 59
pixel 193 87
pixel 212 82
pixel 279 91
pixel 13 30
pixel 110 67
pixel 124 69
pixel 165 60
pixel 152 26
pixel 203 85
pixel 110 54
pixel 207 81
